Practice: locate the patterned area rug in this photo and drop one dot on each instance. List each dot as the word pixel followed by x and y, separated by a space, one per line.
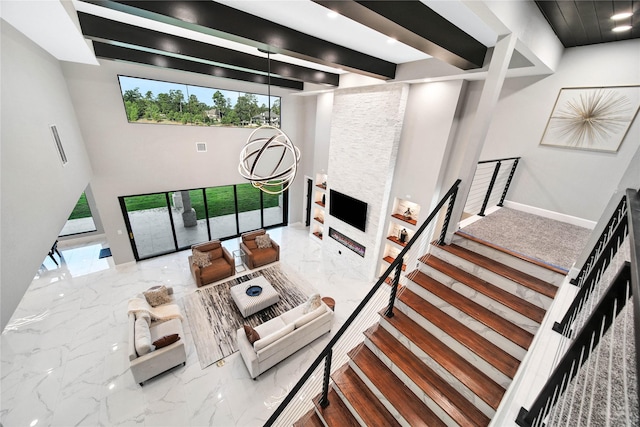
pixel 214 317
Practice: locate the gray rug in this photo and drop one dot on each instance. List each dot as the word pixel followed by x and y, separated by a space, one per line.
pixel 214 318
pixel 550 241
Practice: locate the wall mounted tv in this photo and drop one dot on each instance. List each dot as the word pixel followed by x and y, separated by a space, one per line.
pixel 347 209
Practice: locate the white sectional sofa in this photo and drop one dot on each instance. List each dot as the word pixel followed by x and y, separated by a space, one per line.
pixel 148 362
pixel 282 336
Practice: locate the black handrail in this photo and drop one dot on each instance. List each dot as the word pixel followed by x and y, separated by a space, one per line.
pixel 599 320
pixel 589 265
pixel 327 351
pixel 496 170
pixel 605 249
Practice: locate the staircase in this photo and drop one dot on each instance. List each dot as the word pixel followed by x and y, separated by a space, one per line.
pixel 462 323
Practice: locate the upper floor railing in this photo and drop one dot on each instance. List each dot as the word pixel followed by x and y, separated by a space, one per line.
pixel 595 380
pixel 490 184
pixel 314 383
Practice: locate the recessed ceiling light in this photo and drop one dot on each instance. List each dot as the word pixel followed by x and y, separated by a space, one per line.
pixel 621 28
pixel 331 14
pixel 391 40
pixel 619 16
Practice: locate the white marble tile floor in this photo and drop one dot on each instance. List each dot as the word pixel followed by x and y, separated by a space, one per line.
pixel 64 357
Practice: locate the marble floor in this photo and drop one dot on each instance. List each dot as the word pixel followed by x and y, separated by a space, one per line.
pixel 64 357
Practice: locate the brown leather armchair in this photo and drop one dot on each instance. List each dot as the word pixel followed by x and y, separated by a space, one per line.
pixel 221 263
pixel 256 257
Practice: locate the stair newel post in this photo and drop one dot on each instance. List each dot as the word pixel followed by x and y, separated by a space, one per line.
pixel 506 186
pixel 490 189
pixel 324 401
pixel 447 216
pixel 394 288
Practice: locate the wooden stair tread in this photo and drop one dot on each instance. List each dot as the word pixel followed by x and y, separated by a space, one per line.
pixel 310 419
pixel 510 273
pixel 501 360
pixel 361 399
pixel 514 254
pixel 469 375
pixel 483 315
pixel 440 391
pixel 505 298
pixel 336 413
pixel 412 409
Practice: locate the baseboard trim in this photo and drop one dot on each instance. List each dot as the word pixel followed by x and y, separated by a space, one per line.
pixel 574 220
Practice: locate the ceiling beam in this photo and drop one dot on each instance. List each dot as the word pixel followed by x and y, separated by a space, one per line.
pixel 413 23
pixel 231 24
pixel 103 29
pixel 109 51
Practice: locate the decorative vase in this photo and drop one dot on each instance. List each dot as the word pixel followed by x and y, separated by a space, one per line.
pixel 403 235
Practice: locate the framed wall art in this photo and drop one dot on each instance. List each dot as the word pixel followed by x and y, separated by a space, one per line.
pixel 595 118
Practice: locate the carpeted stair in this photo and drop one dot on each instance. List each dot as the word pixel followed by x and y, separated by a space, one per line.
pixel 462 323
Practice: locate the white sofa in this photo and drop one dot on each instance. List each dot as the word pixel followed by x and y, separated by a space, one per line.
pixel 282 336
pixel 146 366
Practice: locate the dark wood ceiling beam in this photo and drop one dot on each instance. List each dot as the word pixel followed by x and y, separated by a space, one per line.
pixel 413 23
pixel 98 28
pixel 108 51
pixel 226 22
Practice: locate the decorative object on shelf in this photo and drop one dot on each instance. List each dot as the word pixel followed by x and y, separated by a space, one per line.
pixel 323 199
pixel 592 118
pixel 403 235
pixel 407 214
pixel 276 177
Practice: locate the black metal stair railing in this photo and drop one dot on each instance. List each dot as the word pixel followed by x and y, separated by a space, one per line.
pixel 593 316
pixel 327 353
pixel 491 182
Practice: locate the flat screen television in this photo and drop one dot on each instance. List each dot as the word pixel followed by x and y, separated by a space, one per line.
pixel 347 209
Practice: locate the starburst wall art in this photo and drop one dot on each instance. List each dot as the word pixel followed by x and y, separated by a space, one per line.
pixel 592 118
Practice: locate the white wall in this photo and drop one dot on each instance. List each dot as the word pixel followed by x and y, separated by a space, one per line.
pixel 569 181
pixel 138 158
pixel 365 133
pixel 38 192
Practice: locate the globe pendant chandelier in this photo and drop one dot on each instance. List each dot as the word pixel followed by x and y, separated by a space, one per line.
pixel 269 160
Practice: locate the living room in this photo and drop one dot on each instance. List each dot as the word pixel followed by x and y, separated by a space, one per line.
pixel 117 159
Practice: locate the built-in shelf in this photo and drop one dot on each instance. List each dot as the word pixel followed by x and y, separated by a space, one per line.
pixel 397 241
pixel 319 199
pixel 390 259
pixel 405 219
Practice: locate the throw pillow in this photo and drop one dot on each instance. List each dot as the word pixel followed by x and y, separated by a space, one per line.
pixel 142 337
pixel 157 296
pixel 201 259
pixel 166 340
pixel 263 241
pixel 252 335
pixel 312 303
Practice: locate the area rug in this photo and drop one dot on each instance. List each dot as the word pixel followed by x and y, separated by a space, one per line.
pixel 553 242
pixel 214 318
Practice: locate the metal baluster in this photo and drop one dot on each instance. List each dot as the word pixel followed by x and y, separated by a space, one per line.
pixel 447 217
pixel 506 186
pixel 490 189
pixel 324 401
pixel 394 289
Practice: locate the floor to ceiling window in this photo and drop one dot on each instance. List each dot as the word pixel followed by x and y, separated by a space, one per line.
pixel 166 222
